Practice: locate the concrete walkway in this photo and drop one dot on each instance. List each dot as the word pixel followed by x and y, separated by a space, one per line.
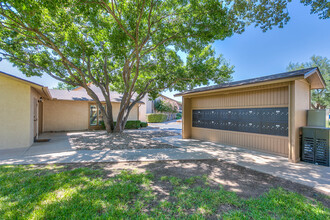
pixel 58 150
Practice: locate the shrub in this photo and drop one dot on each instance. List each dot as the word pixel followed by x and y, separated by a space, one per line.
pixel 144 124
pixel 162 106
pixel 178 115
pixel 133 124
pixel 129 124
pixel 102 125
pixel 154 118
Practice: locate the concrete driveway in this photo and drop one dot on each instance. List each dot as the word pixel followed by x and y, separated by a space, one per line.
pixel 174 125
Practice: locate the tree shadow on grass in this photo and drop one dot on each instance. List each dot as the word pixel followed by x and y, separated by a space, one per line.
pixel 52 192
pixel 104 190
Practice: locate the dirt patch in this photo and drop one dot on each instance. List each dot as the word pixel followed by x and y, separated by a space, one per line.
pixel 130 139
pixel 245 182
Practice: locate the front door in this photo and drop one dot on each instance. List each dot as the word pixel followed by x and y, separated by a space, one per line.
pixel 35 118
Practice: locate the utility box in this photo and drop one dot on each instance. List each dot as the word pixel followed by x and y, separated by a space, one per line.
pixel 318 118
pixel 315 145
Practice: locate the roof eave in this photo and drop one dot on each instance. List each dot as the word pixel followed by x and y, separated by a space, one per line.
pixel 317 82
pixel 287 79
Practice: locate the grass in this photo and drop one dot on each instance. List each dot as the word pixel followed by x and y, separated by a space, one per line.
pixel 28 192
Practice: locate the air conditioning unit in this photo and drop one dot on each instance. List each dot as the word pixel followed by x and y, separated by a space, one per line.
pixel 318 118
pixel 315 145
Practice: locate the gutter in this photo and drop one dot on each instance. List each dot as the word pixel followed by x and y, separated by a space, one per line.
pixel 46 92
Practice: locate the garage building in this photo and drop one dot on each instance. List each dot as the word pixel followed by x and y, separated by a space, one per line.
pixel 262 114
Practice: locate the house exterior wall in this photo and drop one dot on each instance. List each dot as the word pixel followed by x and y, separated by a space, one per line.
pixel 145 108
pixel 59 115
pixel 15 108
pixel 134 114
pixel 300 97
pixel 65 115
pixel 149 104
pixel 274 95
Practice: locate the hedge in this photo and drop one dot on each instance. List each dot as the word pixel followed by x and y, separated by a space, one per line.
pixel 144 124
pixel 154 118
pixel 134 124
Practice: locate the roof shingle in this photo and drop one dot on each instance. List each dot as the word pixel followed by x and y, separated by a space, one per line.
pixel 81 95
pixel 250 81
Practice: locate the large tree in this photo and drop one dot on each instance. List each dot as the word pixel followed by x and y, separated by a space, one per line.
pixel 132 47
pixel 64 86
pixel 320 97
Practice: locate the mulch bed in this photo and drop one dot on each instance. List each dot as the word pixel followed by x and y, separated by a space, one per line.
pixel 130 139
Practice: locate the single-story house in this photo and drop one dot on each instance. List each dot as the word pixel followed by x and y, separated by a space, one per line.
pixel 262 114
pixel 75 110
pixel 27 109
pixel 165 99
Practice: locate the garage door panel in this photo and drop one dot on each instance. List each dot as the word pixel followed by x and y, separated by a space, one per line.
pixel 261 142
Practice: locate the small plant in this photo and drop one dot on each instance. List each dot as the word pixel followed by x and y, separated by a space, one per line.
pixel 102 125
pixel 164 178
pixel 172 179
pixel 178 115
pixel 144 124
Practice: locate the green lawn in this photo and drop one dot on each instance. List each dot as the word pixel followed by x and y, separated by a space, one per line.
pixel 29 192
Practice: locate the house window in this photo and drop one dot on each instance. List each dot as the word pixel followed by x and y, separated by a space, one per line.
pixel 95 115
pixel 100 117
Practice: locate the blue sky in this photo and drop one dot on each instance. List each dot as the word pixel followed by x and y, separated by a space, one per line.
pixel 255 53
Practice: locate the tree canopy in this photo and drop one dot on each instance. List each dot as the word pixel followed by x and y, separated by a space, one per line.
pixel 132 47
pixel 319 7
pixel 64 86
pixel 320 97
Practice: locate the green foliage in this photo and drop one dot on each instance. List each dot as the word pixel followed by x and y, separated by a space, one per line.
pixel 320 97
pixel 102 125
pixel 178 115
pixel 133 47
pixel 55 193
pixel 156 118
pixel 64 86
pixel 280 204
pixel 162 106
pixel 319 7
pixel 60 192
pixel 144 124
pixel 133 124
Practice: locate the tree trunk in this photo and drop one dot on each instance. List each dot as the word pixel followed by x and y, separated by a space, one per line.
pixel 108 122
pixel 122 118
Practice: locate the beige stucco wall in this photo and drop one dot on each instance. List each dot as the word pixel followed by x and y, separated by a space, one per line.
pixel 15 110
pixel 73 115
pixel 299 104
pixel 134 114
pixel 65 115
